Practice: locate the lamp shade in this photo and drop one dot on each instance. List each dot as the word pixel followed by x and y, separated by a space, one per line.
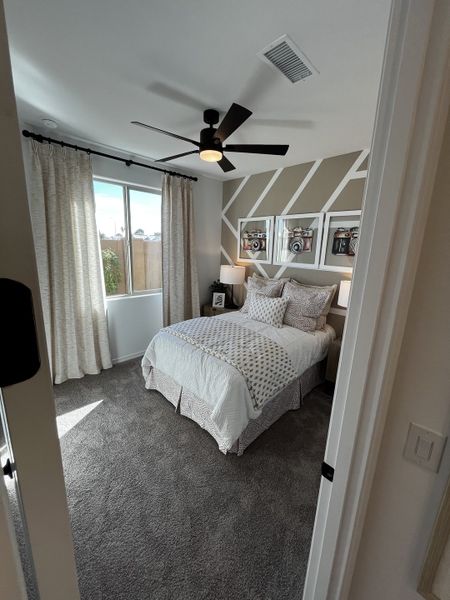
pixel 232 274
pixel 344 292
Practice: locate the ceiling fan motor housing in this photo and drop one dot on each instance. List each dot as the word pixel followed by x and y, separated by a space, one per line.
pixel 208 139
pixel 211 116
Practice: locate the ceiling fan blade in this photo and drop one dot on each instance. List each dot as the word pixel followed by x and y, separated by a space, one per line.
pixel 174 135
pixel 176 156
pixel 234 118
pixel 278 149
pixel 225 165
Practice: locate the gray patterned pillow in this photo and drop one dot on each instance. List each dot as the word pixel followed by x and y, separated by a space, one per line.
pixel 331 289
pixel 268 287
pixel 305 306
pixel 268 310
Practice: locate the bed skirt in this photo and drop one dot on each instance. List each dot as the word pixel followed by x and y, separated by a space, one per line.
pixel 189 405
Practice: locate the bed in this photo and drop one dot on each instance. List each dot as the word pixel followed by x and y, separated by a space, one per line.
pixel 233 404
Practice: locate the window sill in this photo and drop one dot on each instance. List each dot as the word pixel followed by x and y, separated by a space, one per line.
pixel 131 296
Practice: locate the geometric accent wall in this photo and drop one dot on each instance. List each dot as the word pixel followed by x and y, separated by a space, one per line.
pixel 330 184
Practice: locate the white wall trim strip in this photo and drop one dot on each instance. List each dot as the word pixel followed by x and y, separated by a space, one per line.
pixel 350 175
pixel 265 191
pixel 226 255
pixel 359 175
pixel 230 226
pixel 302 186
pixel 236 194
pixel 280 271
pixel 261 269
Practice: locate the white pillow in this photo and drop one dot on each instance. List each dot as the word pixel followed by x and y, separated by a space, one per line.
pixel 268 287
pixel 268 310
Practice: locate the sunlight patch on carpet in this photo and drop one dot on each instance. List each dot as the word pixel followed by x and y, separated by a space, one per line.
pixel 69 420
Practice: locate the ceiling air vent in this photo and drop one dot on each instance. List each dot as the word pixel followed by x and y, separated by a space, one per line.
pixel 283 55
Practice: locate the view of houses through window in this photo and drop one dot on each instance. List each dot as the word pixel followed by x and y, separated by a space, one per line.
pixel 129 225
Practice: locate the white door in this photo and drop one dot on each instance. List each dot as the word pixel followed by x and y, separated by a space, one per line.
pixel 29 405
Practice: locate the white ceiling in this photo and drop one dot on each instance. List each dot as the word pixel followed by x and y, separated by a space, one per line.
pixel 95 65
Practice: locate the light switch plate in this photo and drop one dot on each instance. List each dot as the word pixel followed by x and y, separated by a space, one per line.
pixel 424 447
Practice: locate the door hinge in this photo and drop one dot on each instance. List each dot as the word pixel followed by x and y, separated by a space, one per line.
pixel 8 469
pixel 327 471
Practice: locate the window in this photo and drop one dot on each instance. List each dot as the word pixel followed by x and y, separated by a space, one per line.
pixel 129 225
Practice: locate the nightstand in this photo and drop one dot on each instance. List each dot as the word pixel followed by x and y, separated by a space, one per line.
pixel 209 311
pixel 334 352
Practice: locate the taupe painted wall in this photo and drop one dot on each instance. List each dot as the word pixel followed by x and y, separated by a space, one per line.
pixel 277 188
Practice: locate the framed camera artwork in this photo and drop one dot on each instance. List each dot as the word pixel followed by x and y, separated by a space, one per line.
pixel 298 240
pixel 255 239
pixel 340 241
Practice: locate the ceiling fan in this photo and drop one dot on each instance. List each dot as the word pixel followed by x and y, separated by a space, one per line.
pixel 210 147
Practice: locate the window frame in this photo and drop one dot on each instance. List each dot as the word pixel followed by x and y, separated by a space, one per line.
pixel 126 187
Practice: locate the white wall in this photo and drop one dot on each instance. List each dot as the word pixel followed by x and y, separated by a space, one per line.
pixel 405 498
pixel 132 321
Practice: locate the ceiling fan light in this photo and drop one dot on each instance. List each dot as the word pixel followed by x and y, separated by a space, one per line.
pixel 211 155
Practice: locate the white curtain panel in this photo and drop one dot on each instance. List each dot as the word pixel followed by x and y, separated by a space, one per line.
pixel 67 249
pixel 179 264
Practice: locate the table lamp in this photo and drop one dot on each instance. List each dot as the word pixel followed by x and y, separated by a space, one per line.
pixel 232 275
pixel 344 292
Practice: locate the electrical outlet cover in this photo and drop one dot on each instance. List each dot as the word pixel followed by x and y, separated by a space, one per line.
pixel 424 447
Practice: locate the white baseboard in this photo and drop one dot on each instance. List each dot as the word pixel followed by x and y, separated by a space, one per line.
pixel 121 359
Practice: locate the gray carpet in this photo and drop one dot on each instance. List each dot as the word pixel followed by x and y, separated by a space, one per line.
pixel 159 513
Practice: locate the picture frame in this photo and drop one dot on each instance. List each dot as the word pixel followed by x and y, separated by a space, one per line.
pixel 218 300
pixel 340 241
pixel 255 240
pixel 298 240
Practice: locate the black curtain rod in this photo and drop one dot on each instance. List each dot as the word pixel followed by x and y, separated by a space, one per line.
pixel 41 139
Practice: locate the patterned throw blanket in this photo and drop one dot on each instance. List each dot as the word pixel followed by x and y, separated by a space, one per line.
pixel 264 364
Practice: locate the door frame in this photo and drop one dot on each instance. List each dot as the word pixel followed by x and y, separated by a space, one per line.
pixel 412 108
pixel 12 583
pixel 29 405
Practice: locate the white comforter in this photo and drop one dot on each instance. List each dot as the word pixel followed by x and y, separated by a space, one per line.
pixel 219 384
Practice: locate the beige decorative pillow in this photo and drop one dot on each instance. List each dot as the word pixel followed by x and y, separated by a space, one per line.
pixel 268 287
pixel 268 310
pixel 321 321
pixel 261 278
pixel 305 305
